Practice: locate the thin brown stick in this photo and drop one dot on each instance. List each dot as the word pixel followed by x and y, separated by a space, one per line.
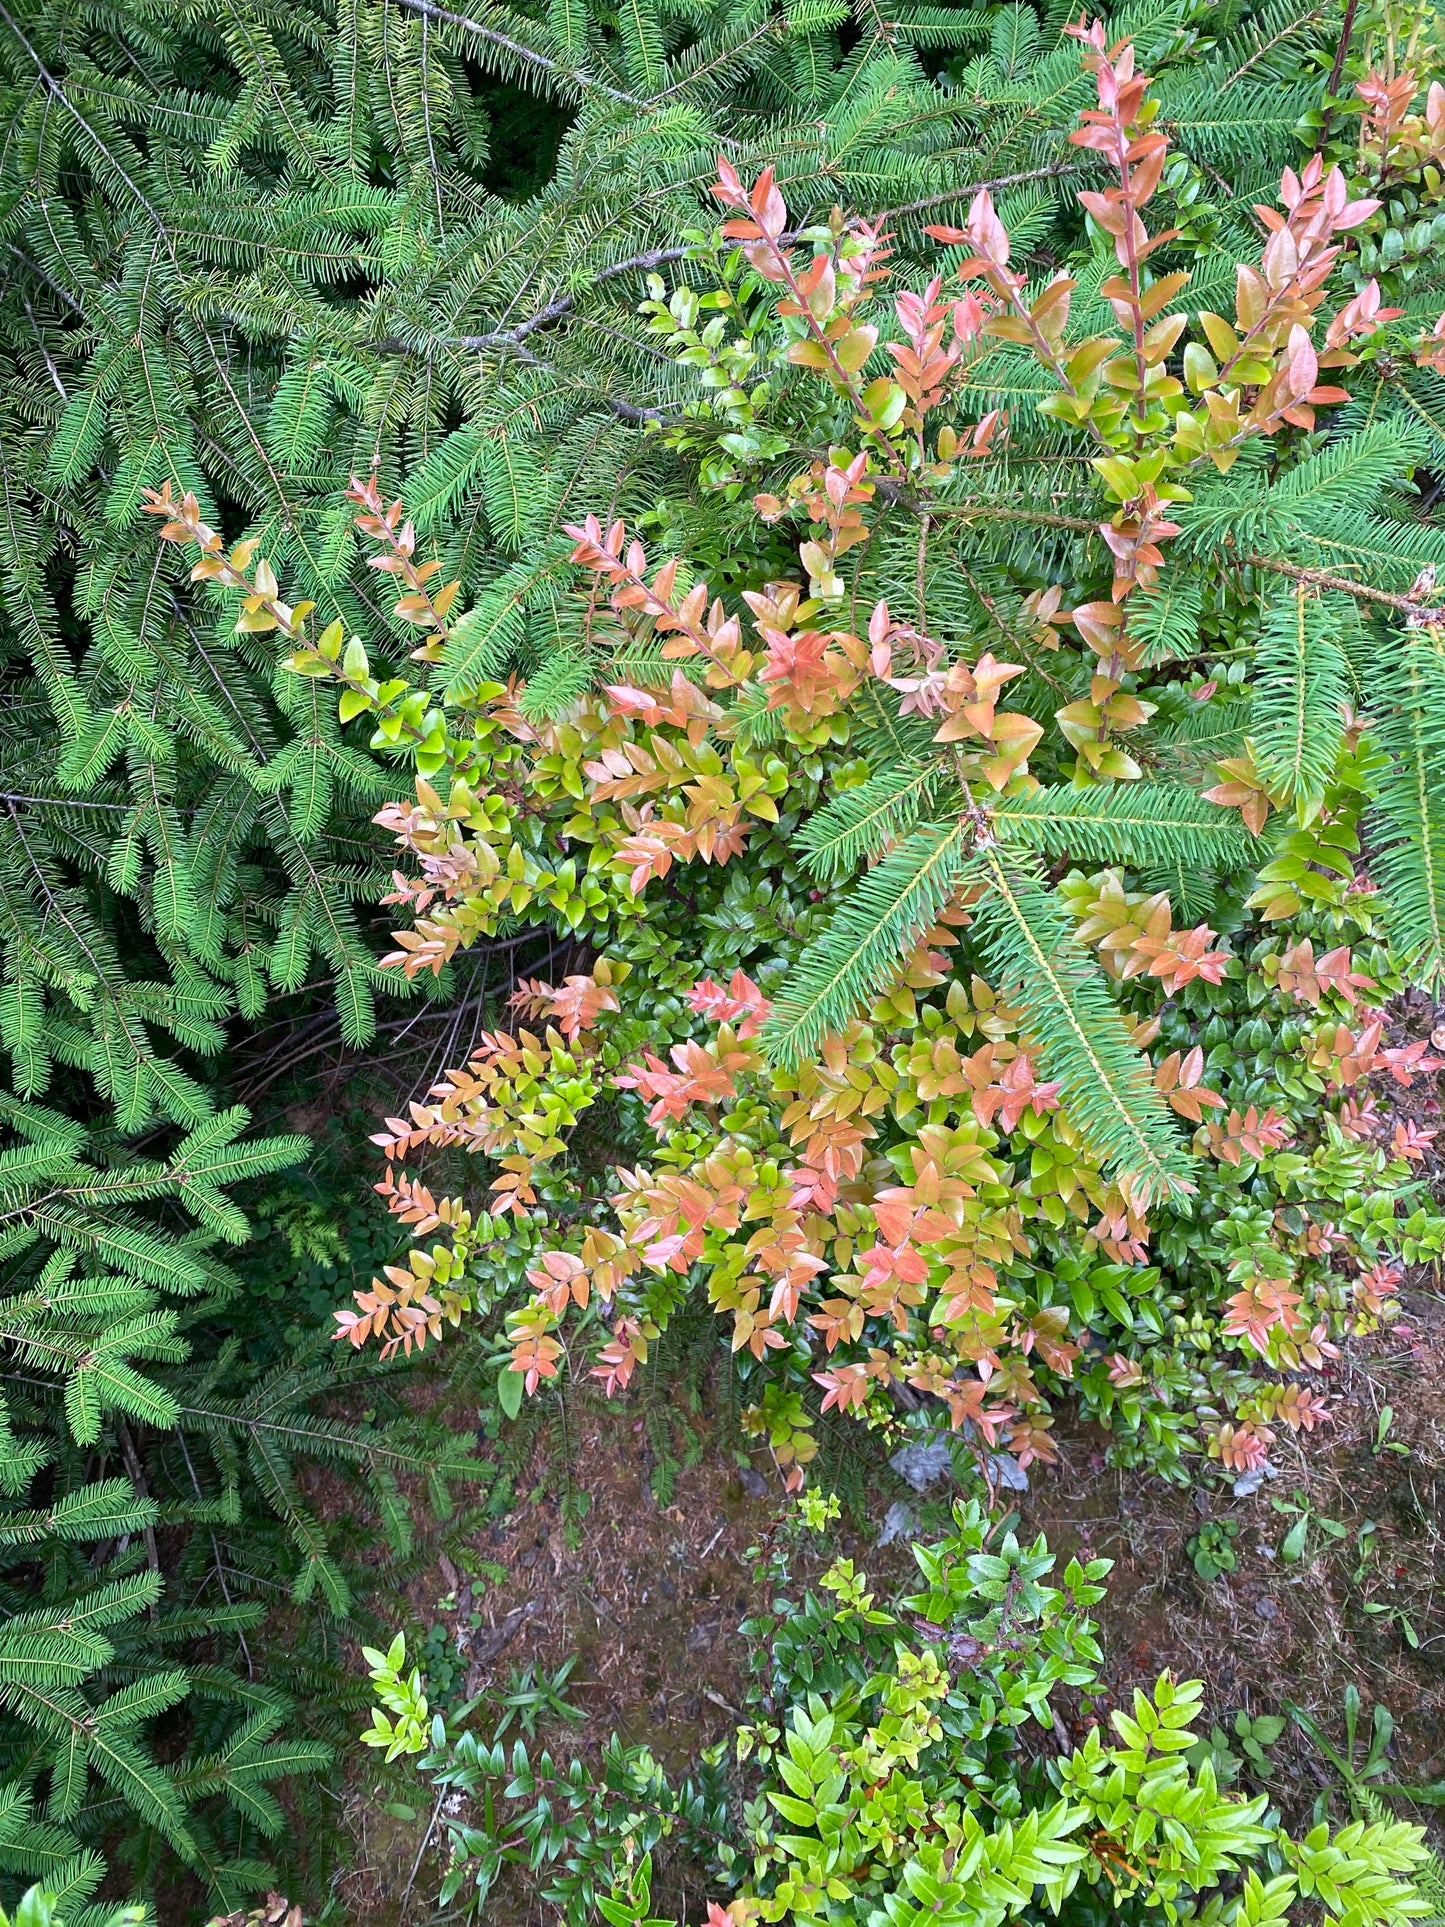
pixel 1051 171
pixel 996 512
pixel 1316 578
pixel 1323 579
pixel 137 1476
pixel 1332 85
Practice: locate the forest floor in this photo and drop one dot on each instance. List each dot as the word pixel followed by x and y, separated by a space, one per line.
pixel 648 1595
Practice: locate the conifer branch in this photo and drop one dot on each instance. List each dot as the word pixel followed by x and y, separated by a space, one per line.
pixel 1138 824
pixel 872 929
pixel 1300 691
pixel 561 76
pixel 1409 817
pixel 1107 1087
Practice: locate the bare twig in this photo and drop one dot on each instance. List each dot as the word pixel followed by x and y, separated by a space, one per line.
pixel 136 1473
pixel 421 1853
pixel 1332 85
pixel 1324 579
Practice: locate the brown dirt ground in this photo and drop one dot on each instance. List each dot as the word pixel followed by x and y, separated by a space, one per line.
pixel 649 1597
pixel 1276 1630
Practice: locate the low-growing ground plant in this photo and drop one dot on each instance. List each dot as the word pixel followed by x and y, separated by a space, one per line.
pixel 894 1768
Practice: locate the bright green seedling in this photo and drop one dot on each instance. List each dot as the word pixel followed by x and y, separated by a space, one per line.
pixel 1292 1546
pixel 1212 1548
pixel 533 1696
pixel 1391 1615
pixel 1364 1775
pixel 408 1730
pixel 1383 1441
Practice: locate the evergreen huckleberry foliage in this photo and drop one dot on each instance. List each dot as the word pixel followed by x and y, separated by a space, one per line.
pixel 1051 573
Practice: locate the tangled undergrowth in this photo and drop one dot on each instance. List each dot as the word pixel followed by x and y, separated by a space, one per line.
pixel 976 728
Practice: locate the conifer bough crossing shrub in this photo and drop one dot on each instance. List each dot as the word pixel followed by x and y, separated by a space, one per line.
pixel 1059 639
